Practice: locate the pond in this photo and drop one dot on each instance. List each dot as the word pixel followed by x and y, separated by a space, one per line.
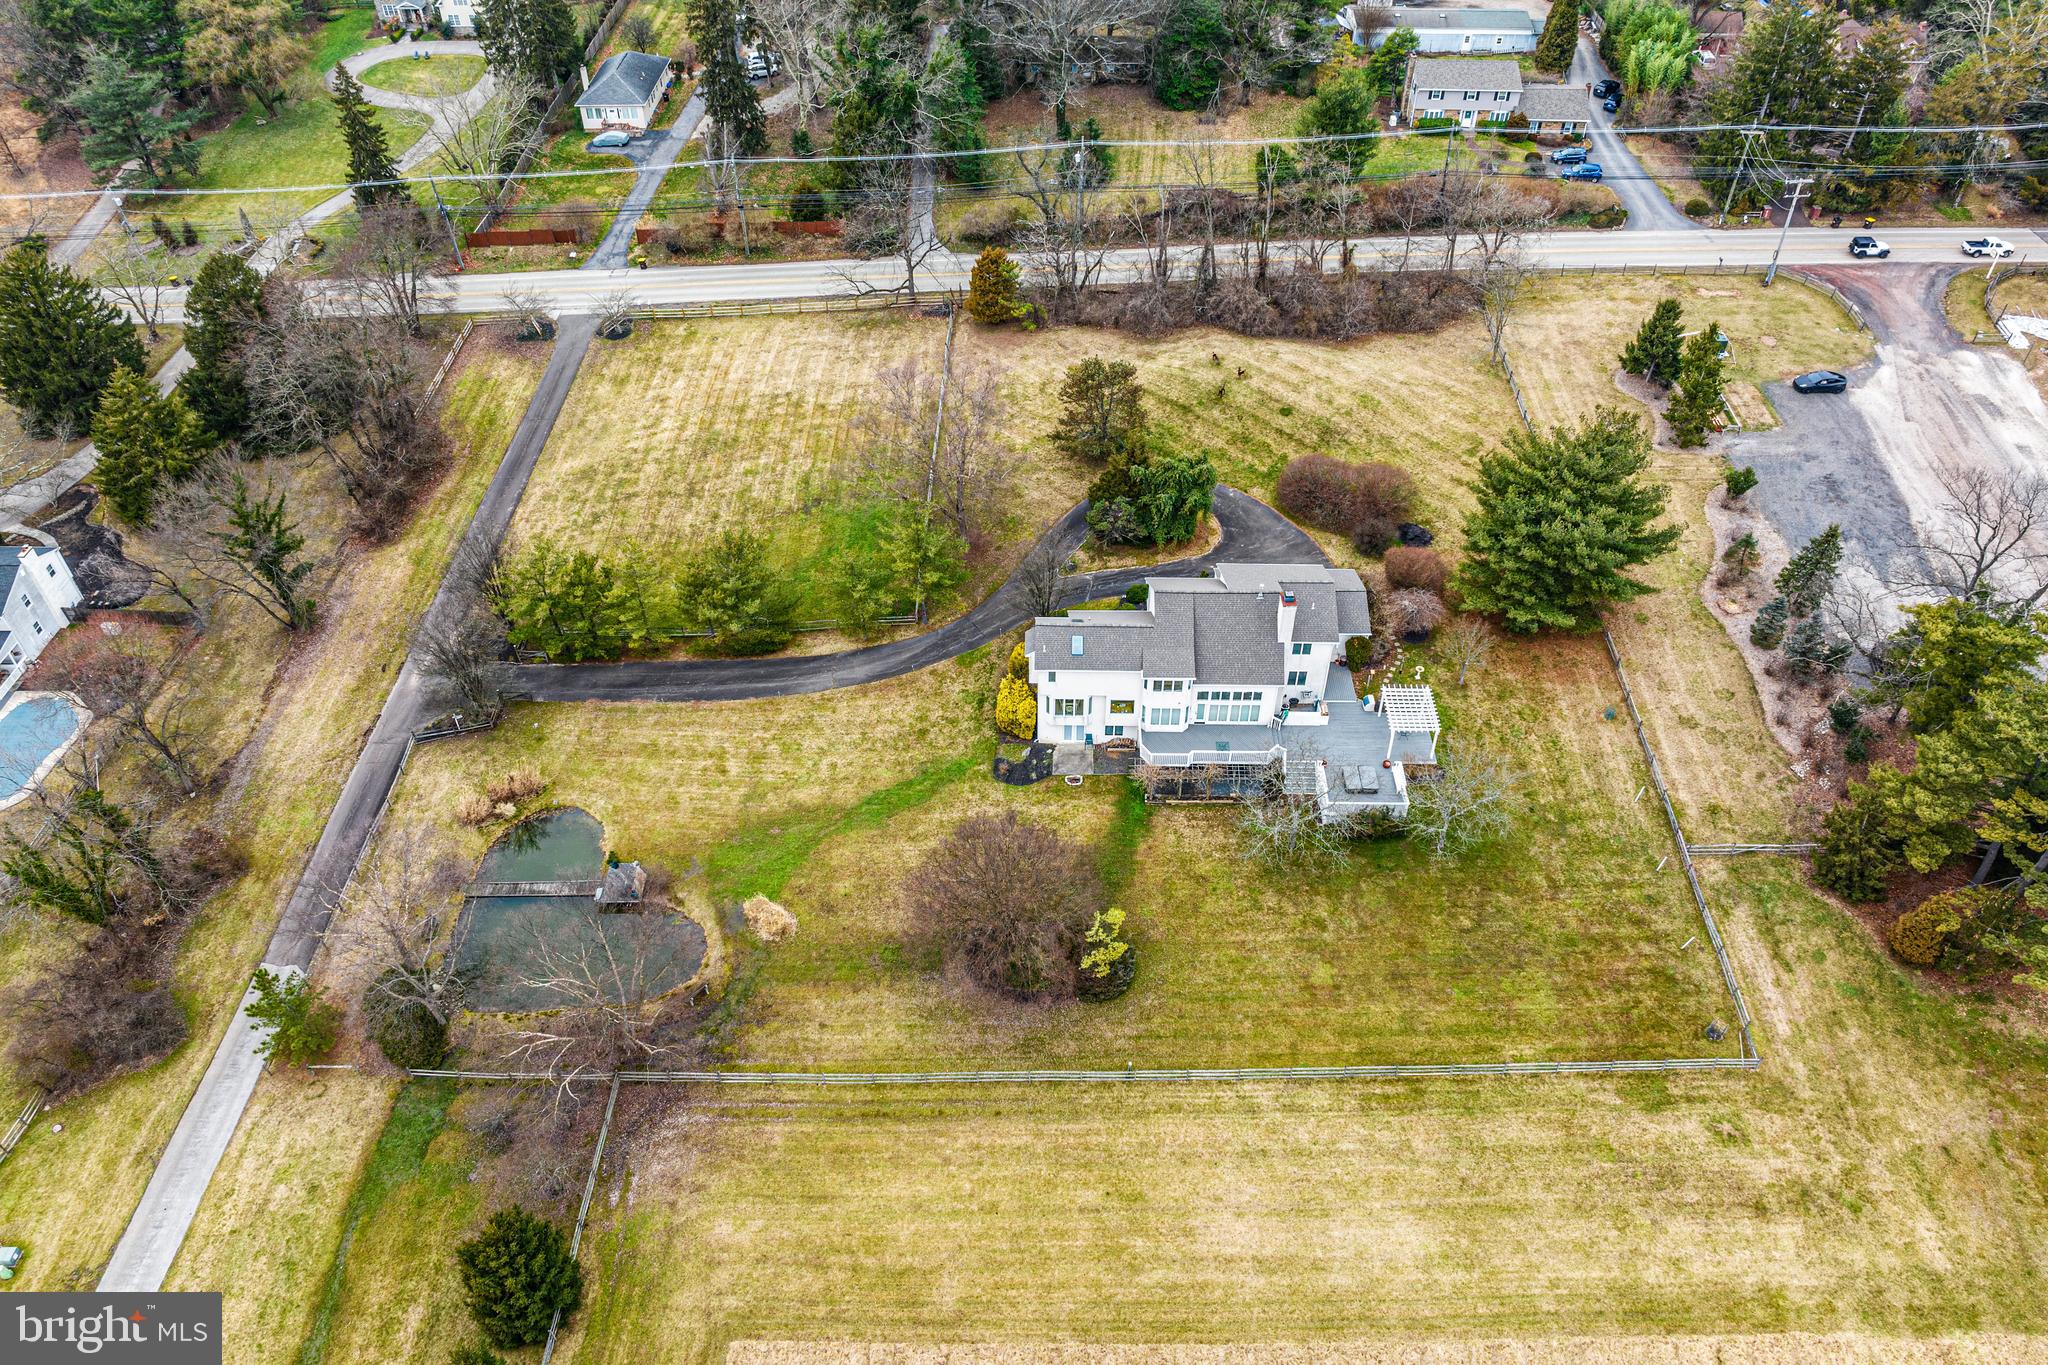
pixel 510 944
pixel 35 730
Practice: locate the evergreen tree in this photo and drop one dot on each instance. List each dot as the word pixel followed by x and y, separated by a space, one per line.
pixel 1870 89
pixel 1187 69
pixel 1784 74
pixel 569 605
pixel 1768 630
pixel 1949 653
pixel 1561 518
pixel 1345 104
pixel 369 155
pixel 730 102
pixel 129 117
pixel 730 589
pixel 1807 580
pixel 221 310
pixel 1698 403
pixel 1388 65
pixel 264 542
pixel 927 559
pixel 533 38
pixel 1854 858
pixel 1742 555
pixel 1654 354
pixel 146 441
pixel 60 342
pixel 1173 493
pixel 1809 651
pixel 517 1274
pixel 1560 40
pixel 303 1023
pixel 1102 409
pixel 994 291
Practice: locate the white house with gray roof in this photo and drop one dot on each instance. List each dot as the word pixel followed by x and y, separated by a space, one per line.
pixel 1473 32
pixel 38 594
pixel 1240 670
pixel 625 92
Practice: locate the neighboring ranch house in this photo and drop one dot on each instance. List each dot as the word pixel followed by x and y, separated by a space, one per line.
pixel 39 594
pixel 1237 672
pixel 1477 91
pixel 1464 31
pixel 625 93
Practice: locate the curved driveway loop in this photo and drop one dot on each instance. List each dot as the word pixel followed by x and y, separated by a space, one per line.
pixel 1253 533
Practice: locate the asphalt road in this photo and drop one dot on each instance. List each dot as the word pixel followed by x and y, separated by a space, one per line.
pixel 1648 209
pixel 144 1254
pixel 654 156
pixel 1251 533
pixel 577 291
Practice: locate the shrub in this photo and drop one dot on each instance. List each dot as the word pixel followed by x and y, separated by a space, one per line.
pixel 472 1354
pixel 1413 567
pixel 1017 708
pixel 1358 653
pixel 1858 748
pixel 405 1031
pixel 800 142
pixel 1137 594
pixel 1853 860
pixel 1843 713
pixel 1612 217
pixel 520 785
pixel 1920 934
pixel 1739 481
pixel 1414 612
pixel 1010 903
pixel 1335 495
pixel 807 204
pixel 1110 964
pixel 517 1273
pixel 303 1023
pixel 1373 535
pixel 1768 630
pixel 1697 207
pixel 476 809
pixel 996 224
pixel 1019 665
pixel 105 1010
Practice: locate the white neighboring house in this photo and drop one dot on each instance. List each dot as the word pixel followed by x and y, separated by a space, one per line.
pixel 625 93
pixel 1464 32
pixel 460 14
pixel 40 593
pixel 1237 671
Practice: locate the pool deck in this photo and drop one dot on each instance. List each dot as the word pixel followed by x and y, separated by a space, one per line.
pixel 56 755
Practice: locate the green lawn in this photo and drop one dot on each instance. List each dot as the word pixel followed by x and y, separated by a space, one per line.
pixel 341 37
pixel 438 75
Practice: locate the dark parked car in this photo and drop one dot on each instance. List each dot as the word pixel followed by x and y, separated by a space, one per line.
pixel 1611 103
pixel 1821 381
pixel 1568 156
pixel 1606 89
pixel 1585 170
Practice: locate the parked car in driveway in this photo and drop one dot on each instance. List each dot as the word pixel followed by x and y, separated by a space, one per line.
pixel 1585 170
pixel 1568 156
pixel 1866 247
pixel 1995 247
pixel 1611 103
pixel 612 141
pixel 1606 89
pixel 1821 381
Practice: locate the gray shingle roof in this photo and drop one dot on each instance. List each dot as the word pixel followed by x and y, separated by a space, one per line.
pixel 1465 20
pixel 1464 73
pixel 625 78
pixel 1220 630
pixel 1556 104
pixel 10 565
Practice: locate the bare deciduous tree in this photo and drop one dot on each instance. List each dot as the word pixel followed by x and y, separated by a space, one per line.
pixel 886 220
pixel 802 33
pixel 147 698
pixel 615 313
pixel 1466 644
pixel 194 531
pixel 965 473
pixel 1038 580
pixel 1009 901
pixel 137 275
pixel 1063 247
pixel 484 146
pixel 534 310
pixel 1988 541
pixel 400 926
pixel 463 638
pixel 603 974
pixel 1063 44
pixel 1287 831
pixel 393 260
pixel 1468 803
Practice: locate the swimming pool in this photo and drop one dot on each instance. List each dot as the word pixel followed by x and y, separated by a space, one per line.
pixel 35 730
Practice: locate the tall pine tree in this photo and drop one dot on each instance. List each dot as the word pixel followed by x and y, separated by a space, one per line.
pixel 1560 37
pixel 737 123
pixel 369 155
pixel 129 117
pixel 533 38
pixel 1654 354
pixel 146 442
pixel 1561 518
pixel 1807 580
pixel 221 310
pixel 60 342
pixel 1692 413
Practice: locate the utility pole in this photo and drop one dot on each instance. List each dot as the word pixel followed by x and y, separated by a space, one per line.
pixel 1741 164
pixel 1790 209
pixel 449 223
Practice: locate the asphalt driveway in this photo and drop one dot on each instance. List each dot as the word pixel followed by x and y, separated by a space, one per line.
pixel 1647 207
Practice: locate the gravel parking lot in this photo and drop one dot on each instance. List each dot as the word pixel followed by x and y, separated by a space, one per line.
pixel 1867 459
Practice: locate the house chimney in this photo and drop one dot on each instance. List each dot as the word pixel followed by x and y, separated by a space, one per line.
pixel 1286 618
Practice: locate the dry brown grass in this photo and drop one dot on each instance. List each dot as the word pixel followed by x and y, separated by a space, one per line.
pixel 46 166
pixel 1779 1349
